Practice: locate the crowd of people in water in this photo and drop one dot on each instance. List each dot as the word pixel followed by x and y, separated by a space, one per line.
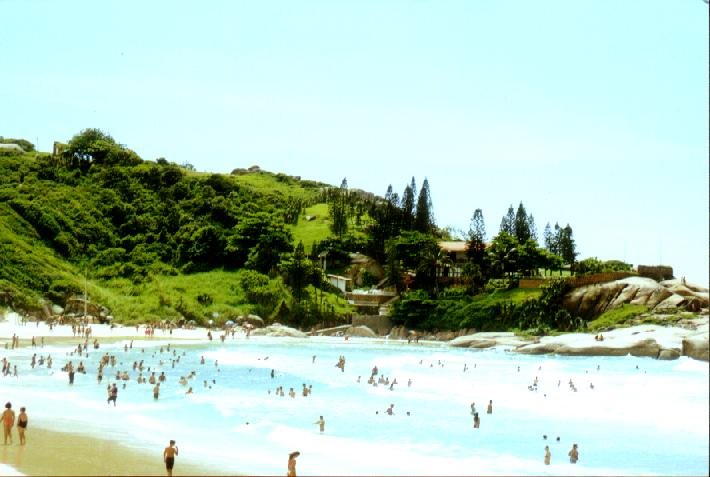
pixel 151 371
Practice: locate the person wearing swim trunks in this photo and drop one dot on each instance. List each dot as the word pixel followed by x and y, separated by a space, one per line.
pixel 169 457
pixel 22 425
pixel 8 420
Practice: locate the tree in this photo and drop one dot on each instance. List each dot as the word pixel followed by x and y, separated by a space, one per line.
pixel 424 220
pixel 298 269
pixel 521 226
pixel 503 255
pixel 566 245
pixel 258 241
pixel 507 224
pixel 416 251
pixel 338 209
pixel 532 228
pixel 552 238
pixel 94 146
pixel 531 257
pixel 408 207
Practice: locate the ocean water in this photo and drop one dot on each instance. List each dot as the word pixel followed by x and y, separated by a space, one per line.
pixel 642 417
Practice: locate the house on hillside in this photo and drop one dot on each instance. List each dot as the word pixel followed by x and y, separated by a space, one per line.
pixel 453 271
pixel 343 283
pixel 12 148
pixel 456 249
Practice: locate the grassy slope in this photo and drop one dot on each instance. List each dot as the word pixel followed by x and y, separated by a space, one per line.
pixel 517 295
pixel 309 231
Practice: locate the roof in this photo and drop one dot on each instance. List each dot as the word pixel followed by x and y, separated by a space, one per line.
pixel 14 147
pixel 454 246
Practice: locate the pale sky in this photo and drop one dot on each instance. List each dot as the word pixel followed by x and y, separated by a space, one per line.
pixel 593 113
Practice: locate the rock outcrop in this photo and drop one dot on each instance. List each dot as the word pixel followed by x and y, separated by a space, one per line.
pixel 670 295
pixel 661 342
pixel 362 331
pixel 646 347
pixel 279 330
pixel 488 340
pixel 346 330
pixel 696 347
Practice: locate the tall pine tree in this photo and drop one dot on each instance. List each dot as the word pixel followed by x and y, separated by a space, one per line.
pixel 339 210
pixel 507 224
pixel 520 225
pixel 424 220
pixel 476 248
pixel 408 206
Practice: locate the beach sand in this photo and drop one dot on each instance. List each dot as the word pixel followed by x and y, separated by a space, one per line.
pixel 59 453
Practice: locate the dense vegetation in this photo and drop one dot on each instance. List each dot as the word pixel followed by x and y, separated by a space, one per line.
pixel 155 240
pixel 97 209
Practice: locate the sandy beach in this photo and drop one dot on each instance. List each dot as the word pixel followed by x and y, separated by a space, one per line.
pixel 50 452
pixel 64 453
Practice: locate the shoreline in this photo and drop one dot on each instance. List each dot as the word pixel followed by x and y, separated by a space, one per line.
pixel 50 452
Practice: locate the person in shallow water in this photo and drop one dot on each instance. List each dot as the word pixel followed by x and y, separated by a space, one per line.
pixel 547 455
pixel 321 424
pixel 573 454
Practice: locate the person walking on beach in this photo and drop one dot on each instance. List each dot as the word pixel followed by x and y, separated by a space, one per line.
pixel 573 454
pixel 547 455
pixel 321 424
pixel 8 420
pixel 292 464
pixel 169 457
pixel 22 425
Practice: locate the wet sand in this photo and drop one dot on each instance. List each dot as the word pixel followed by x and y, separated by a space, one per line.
pixel 58 453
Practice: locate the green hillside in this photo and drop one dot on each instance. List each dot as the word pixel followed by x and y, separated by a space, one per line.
pixel 152 240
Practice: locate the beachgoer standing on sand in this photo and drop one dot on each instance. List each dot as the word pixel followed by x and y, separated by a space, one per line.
pixel 22 425
pixel 169 457
pixel 321 423
pixel 292 464
pixel 476 421
pixel 8 420
pixel 547 455
pixel 573 454
pixel 489 410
